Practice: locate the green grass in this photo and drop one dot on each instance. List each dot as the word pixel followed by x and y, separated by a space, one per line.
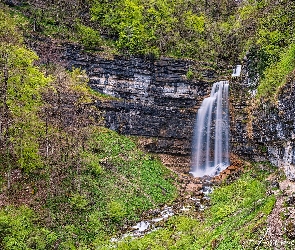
pixel 235 220
pixel 19 230
pixel 276 75
pixel 115 184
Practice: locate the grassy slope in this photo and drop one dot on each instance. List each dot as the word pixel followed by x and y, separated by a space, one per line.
pixel 236 219
pixel 115 185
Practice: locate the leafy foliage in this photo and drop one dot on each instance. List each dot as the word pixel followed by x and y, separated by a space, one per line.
pixel 21 83
pixel 269 43
pixel 150 26
pixel 275 76
pixel 154 28
pixel 19 230
pixel 89 37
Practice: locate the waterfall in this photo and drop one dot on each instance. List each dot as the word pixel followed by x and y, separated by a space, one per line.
pixel 237 71
pixel 210 147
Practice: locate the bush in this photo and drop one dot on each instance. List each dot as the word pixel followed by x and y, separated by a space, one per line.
pixel 275 75
pixel 21 83
pixel 91 162
pixel 89 37
pixel 116 210
pixel 18 230
pixel 189 74
pixel 78 201
pixel 152 27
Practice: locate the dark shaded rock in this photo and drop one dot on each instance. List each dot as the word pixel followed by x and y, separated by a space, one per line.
pixel 275 184
pixel 13 3
pixel 290 230
pixel 291 200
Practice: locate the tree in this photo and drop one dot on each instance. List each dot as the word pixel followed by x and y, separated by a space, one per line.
pixel 20 99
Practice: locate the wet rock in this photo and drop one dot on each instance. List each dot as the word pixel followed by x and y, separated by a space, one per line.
pixel 291 200
pixel 290 230
pixel 13 3
pixel 275 184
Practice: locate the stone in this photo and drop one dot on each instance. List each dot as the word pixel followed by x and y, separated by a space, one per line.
pixel 291 200
pixel 13 3
pixel 264 131
pixel 290 230
pixel 154 99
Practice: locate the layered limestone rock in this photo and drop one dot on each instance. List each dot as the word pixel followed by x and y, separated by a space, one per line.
pixel 274 126
pixel 264 130
pixel 155 100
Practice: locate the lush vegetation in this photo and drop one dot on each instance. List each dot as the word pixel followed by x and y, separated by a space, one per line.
pixel 276 75
pixel 21 83
pixel 269 43
pixel 236 219
pixel 220 32
pixel 194 29
pixel 82 181
pixel 68 183
pixel 107 185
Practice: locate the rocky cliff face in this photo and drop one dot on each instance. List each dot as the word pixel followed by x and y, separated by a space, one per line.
pixel 240 108
pixel 155 101
pixel 274 129
pixel 153 98
pixel 264 131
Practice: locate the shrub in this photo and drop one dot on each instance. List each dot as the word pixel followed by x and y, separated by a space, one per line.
pixel 18 230
pixel 189 74
pixel 89 37
pixel 116 210
pixel 78 201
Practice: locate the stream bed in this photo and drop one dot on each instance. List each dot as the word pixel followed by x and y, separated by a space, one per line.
pixel 154 219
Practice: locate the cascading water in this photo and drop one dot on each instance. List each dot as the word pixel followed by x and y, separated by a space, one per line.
pixel 210 149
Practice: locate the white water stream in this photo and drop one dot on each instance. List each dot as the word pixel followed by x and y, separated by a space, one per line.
pixel 237 71
pixel 152 224
pixel 210 149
